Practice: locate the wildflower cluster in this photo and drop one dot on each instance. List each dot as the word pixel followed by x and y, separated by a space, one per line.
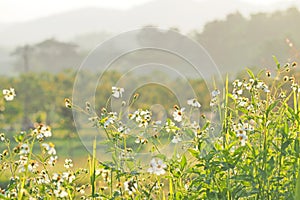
pixel 30 169
pixel 252 153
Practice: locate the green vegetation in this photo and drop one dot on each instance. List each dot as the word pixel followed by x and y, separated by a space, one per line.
pixel 252 153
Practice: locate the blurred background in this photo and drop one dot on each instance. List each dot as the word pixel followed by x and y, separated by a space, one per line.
pixel 43 43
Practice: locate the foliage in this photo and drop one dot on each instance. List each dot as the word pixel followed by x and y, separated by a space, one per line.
pixel 253 153
pixel 241 41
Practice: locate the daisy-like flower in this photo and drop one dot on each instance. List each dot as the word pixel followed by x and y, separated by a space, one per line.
pixel 143 117
pixel 213 102
pixel 32 166
pixel 117 92
pixel 24 149
pixel 156 125
pixel 2 137
pixel 23 160
pixel 42 131
pixel 56 177
pixel 242 102
pixel 60 192
pixel 43 178
pixel 237 83
pixel 130 186
pixel 294 86
pixel 157 167
pixel 9 94
pixel 81 189
pixel 215 93
pixel 111 119
pixel 178 114
pixel 126 154
pixel 241 131
pixel 123 130
pixel 243 137
pixel 46 130
pixel 196 129
pixel 176 139
pixel 68 163
pixel 68 176
pixel 52 160
pixel 194 103
pixel 170 126
pixel 12 194
pixel 141 140
pixel 49 148
pixel 248 127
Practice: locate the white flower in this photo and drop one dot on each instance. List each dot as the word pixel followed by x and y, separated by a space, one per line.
pixel 68 176
pixel 52 160
pixel 43 178
pixel 241 131
pixel 56 177
pixel 157 167
pixel 68 163
pixel 178 114
pixel 248 127
pixel 2 137
pixel 123 130
pixel 49 148
pixel 9 94
pixel 170 126
pixel 32 166
pixel 23 160
pixel 242 102
pixel 143 117
pixel 248 86
pixel 141 140
pixel 266 89
pixel 243 137
pixel 117 92
pixel 111 119
pixel 81 189
pixel 237 83
pixel 194 103
pixel 130 186
pixel 46 130
pixel 42 131
pixel 176 139
pixel 60 192
pixel 213 102
pixel 24 149
pixel 215 93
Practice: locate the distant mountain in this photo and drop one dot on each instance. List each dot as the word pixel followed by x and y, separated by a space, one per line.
pixel 184 14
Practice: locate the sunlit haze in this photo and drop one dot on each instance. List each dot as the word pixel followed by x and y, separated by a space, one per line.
pixel 17 11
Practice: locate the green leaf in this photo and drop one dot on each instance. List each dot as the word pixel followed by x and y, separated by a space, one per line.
pixel 296 146
pixel 286 144
pixel 271 107
pixel 250 73
pixel 276 62
pixel 183 162
pixel 194 152
pixel 294 115
pixel 297 193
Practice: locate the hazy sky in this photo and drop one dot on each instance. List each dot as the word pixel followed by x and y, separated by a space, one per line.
pixel 23 10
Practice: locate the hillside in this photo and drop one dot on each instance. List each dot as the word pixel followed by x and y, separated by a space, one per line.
pixel 164 13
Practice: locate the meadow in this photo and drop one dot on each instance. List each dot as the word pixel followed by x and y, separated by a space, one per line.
pixel 249 149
